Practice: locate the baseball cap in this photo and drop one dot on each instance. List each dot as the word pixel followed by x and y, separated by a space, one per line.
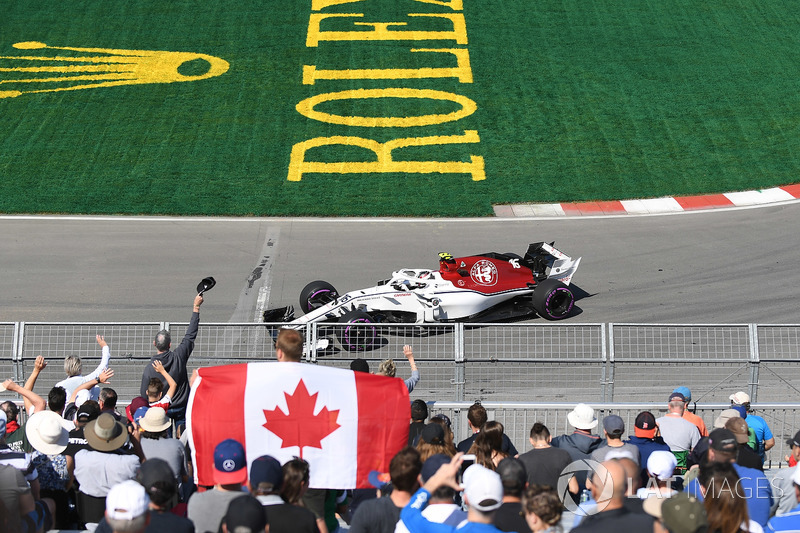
pixel 676 396
pixel 483 488
pixel 126 501
pixel 794 441
pixel 682 513
pixel 266 469
pixel 724 416
pixel 722 440
pixel 442 416
pixel 230 465
pixel 432 465
pixel 661 464
pixel 379 479
pixel 685 391
pixel 156 471
pixel 645 425
pixel 739 428
pixel 740 398
pixel 140 413
pixel 614 425
pixel 432 434
pixel 87 412
pixel 245 515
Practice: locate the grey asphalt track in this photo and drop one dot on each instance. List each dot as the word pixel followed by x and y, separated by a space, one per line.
pixel 736 266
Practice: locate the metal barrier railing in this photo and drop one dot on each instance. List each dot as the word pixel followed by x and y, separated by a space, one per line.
pixel 518 418
pixel 530 362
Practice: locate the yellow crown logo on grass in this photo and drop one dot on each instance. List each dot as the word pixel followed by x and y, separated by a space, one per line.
pixel 113 68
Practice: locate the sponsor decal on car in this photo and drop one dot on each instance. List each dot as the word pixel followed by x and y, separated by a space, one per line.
pixel 484 272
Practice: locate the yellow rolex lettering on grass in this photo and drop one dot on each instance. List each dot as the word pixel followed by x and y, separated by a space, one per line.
pixel 108 67
pixel 307 108
pixel 381 31
pixel 383 152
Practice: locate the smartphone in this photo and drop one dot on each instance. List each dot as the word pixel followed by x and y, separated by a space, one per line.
pixel 466 461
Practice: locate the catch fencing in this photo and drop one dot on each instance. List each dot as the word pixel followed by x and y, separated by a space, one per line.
pixel 538 364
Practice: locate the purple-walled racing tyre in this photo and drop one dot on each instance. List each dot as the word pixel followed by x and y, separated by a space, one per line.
pixel 316 294
pixel 552 299
pixel 357 332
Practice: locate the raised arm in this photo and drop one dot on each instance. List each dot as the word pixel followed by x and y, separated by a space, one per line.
pixel 106 351
pixel 38 365
pixel 184 349
pixel 411 382
pixel 30 397
pixel 104 377
pixel 171 383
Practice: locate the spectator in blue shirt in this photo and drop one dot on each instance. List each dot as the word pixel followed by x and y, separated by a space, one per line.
pixel 764 440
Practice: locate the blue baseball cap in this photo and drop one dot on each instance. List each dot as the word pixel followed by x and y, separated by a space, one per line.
pixel 379 479
pixel 432 465
pixel 685 391
pixel 230 464
pixel 140 412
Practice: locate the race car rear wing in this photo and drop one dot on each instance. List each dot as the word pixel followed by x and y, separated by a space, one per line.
pixel 547 261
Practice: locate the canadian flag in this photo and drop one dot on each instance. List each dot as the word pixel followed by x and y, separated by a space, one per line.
pixel 344 423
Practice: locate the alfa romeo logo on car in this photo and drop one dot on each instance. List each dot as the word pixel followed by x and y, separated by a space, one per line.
pixel 592 468
pixel 484 272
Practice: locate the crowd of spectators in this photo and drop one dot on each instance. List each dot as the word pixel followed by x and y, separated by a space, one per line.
pixel 78 462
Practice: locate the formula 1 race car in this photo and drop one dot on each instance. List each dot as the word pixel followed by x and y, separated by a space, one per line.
pixel 478 288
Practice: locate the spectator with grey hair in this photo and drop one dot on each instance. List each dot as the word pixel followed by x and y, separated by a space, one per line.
pixel 73 368
pixel 174 362
pixel 680 435
pixel 389 368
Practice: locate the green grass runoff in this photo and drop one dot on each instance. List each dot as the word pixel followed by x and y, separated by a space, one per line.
pixel 573 101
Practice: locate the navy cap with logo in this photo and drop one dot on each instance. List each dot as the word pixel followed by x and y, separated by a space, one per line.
pixel 230 464
pixel 722 440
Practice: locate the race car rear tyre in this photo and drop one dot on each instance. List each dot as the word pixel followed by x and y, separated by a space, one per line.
pixel 358 334
pixel 552 299
pixel 316 294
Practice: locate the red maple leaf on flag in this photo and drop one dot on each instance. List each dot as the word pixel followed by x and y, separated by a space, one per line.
pixel 301 427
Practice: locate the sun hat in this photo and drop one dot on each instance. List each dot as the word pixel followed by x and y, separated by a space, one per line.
pixel 155 420
pixel 47 432
pixel 582 417
pixel 661 464
pixel 126 501
pixel 724 416
pixel 105 434
pixel 230 464
pixel 483 488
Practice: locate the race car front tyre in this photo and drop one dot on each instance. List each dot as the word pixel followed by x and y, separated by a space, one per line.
pixel 552 299
pixel 358 333
pixel 316 294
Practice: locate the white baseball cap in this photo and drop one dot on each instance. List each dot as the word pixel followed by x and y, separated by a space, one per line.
pixel 126 501
pixel 740 398
pixel 661 464
pixel 483 488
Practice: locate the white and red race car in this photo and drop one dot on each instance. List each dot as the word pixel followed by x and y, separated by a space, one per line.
pixel 478 288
